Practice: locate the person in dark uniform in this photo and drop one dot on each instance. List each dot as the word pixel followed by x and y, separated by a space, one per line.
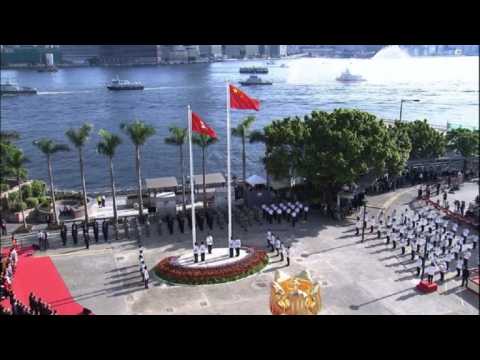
pixel 181 223
pixel 126 229
pixel 105 230
pixel 95 231
pixel 465 276
pixel 75 233
pixel 63 235
pixel 189 220
pixel 159 227
pixel 86 236
pixel 200 222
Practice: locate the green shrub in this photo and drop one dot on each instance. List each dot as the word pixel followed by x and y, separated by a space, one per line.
pixel 38 188
pixel 19 206
pixel 12 197
pixel 4 187
pixel 31 202
pixel 26 191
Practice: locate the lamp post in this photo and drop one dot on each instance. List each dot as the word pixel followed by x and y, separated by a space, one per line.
pixel 401 105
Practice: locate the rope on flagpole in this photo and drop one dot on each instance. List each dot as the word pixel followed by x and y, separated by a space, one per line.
pixel 192 185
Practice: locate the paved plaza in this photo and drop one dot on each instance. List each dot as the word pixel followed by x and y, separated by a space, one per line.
pixel 355 277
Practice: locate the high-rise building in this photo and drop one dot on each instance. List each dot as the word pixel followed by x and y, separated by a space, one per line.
pixel 130 54
pixel 79 54
pixel 252 51
pixel 235 51
pixel 193 52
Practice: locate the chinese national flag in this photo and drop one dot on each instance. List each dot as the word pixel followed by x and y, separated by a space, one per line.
pixel 240 100
pixel 199 126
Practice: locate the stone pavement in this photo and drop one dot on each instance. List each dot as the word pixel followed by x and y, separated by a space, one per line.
pixel 355 278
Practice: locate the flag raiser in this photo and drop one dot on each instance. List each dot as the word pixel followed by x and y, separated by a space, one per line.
pixel 199 126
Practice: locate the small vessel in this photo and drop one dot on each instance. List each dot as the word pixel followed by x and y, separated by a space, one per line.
pixel 13 89
pixel 349 77
pixel 117 84
pixel 255 80
pixel 254 70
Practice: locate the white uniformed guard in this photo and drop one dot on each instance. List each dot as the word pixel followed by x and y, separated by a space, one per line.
pixel 278 245
pixel 305 211
pixel 269 238
pixel 238 245
pixel 209 241
pixel 459 267
pixel 287 255
pixel 294 218
pixel 231 245
pixel 418 266
pixel 146 277
pixel 195 252
pixel 431 272
pixel 202 251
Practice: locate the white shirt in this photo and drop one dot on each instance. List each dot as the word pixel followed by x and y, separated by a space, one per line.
pixel 238 244
pixel 209 240
pixel 202 249
pixel 294 214
pixel 195 249
pixel 278 244
pixel 305 209
pixel 459 263
pixel 286 252
pixel 146 276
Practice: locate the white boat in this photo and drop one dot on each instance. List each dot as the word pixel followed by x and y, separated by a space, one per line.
pixel 255 80
pixel 349 77
pixel 117 84
pixel 9 88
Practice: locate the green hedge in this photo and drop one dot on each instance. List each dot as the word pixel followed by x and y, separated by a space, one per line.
pixel 19 206
pixel 31 202
pixel 38 188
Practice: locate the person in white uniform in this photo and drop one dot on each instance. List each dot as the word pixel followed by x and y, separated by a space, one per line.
pixel 202 251
pixel 209 241
pixel 238 245
pixel 231 246
pixel 195 252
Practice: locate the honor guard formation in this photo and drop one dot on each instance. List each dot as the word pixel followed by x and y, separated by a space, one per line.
pixel 435 244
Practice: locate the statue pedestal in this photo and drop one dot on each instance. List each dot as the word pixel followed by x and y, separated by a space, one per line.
pixel 425 287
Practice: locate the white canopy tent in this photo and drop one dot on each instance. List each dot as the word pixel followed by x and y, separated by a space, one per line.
pixel 255 180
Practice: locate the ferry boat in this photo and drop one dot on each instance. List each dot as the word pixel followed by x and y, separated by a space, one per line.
pixel 117 84
pixel 13 89
pixel 255 80
pixel 349 77
pixel 254 70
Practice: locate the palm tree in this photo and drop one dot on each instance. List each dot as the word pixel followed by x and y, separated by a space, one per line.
pixel 203 141
pixel 49 147
pixel 138 132
pixel 258 136
pixel 78 137
pixel 107 147
pixel 242 131
pixel 16 161
pixel 177 137
pixel 9 136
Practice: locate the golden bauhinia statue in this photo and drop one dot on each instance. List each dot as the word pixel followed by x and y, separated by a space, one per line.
pixel 297 295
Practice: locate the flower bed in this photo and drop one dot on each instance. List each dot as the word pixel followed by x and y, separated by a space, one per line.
pixel 171 270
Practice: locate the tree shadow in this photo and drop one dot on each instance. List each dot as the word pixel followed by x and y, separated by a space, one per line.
pixel 357 307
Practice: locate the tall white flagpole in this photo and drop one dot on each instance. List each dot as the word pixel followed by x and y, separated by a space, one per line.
pixel 192 185
pixel 229 180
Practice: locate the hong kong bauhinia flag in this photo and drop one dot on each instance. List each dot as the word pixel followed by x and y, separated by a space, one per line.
pixel 240 100
pixel 199 126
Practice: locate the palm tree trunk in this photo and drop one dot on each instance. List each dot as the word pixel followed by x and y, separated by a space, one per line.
pixel 244 162
pixel 139 178
pixel 84 187
pixel 204 185
pixel 50 175
pixel 21 200
pixel 182 163
pixel 114 197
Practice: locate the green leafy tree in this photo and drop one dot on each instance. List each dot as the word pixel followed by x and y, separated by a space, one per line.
pixel 7 148
pixel 49 148
pixel 177 138
pixel 138 132
pixel 107 147
pixel 242 131
pixel 79 137
pixel 464 141
pixel 203 141
pixel 17 161
pixel 426 142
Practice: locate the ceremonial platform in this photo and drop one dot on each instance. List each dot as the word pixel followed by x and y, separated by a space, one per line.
pixel 218 267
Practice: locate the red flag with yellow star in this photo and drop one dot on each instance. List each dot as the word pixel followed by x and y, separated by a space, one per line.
pixel 240 100
pixel 201 127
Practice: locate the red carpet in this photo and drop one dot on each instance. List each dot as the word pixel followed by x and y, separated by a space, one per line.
pixel 40 276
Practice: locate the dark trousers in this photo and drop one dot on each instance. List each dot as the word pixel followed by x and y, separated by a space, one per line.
pixel 378 234
pixel 413 255
pixel 231 252
pixel 202 256
pixel 281 256
pixel 403 250
pixel 146 283
pixel 278 251
pixel 195 256
pixel 209 249
pixel 418 270
pixel 459 271
pixel 442 276
pixel 371 229
pixel 288 260
pixel 464 281
pixel 394 244
pixel 388 239
pixel 237 251
pixel 357 231
pixel 430 278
